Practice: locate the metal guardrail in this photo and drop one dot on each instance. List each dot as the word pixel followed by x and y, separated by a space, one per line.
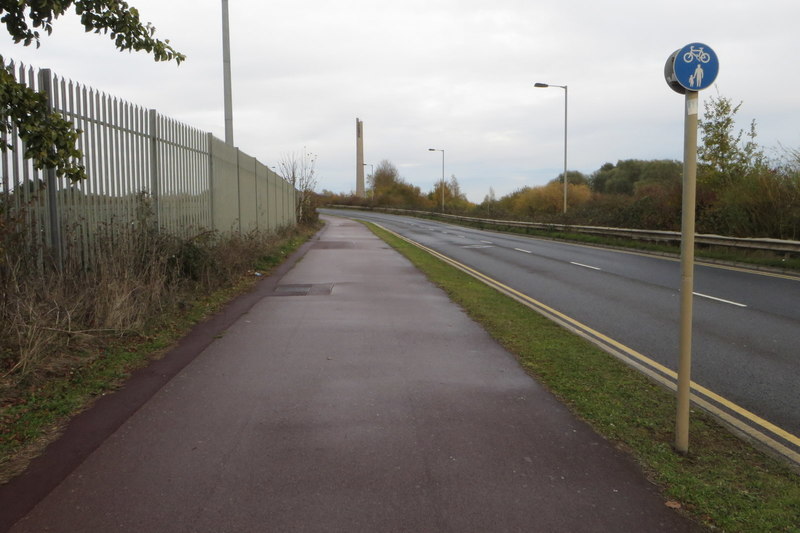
pixel 773 245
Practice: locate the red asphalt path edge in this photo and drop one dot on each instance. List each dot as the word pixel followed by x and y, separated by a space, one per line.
pixel 347 393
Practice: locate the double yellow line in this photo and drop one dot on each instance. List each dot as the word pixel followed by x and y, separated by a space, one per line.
pixel 742 420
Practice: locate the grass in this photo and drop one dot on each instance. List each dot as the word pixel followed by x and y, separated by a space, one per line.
pixel 723 483
pixel 34 408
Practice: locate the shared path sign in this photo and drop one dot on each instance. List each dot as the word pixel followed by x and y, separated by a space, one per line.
pixel 688 71
pixel 692 68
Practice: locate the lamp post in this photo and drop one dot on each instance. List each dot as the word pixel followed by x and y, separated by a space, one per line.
pixel 544 85
pixel 440 150
pixel 226 69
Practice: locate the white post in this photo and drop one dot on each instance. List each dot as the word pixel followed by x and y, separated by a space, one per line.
pixel 687 271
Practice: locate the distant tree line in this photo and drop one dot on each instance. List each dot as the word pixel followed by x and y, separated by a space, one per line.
pixel 740 192
pixel 386 188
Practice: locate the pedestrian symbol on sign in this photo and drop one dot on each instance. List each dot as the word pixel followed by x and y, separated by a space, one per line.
pixel 697 77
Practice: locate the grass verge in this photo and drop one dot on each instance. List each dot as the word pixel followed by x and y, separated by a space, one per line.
pixel 33 412
pixel 723 482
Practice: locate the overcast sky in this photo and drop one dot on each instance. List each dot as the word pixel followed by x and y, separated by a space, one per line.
pixel 456 75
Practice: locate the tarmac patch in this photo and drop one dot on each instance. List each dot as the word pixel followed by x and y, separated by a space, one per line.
pixel 304 289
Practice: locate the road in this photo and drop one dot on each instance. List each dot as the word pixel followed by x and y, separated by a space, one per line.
pixel 746 324
pixel 351 395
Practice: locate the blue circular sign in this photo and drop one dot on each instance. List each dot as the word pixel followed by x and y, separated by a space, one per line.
pixel 696 66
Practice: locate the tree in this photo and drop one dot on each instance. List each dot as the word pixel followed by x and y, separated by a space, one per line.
pixel 489 202
pixel 548 200
pixel 390 190
pixel 384 177
pixel 49 138
pixel 663 171
pixel 599 177
pixel 733 176
pixel 299 170
pixel 723 156
pixel 575 178
pixel 616 179
pixel 627 175
pixel 455 200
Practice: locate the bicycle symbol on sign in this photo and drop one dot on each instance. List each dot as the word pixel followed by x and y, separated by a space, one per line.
pixel 696 53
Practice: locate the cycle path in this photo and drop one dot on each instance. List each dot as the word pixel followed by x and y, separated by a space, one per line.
pixel 354 396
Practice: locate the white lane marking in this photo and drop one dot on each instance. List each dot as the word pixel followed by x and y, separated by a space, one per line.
pixel 737 304
pixel 584 266
pixel 471 246
pixel 487 242
pixel 524 251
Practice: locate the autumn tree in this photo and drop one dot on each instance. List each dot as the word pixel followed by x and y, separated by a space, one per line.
pixel 548 200
pixel 391 190
pixel 48 138
pixel 455 200
pixel 385 176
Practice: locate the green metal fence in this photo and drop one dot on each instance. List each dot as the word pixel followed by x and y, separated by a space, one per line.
pixel 192 181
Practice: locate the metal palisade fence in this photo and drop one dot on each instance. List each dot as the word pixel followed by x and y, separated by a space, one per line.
pixel 136 159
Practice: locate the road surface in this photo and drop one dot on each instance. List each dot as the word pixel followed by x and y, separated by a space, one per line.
pixel 354 397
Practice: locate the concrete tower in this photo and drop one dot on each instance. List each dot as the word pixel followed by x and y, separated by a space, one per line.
pixel 360 190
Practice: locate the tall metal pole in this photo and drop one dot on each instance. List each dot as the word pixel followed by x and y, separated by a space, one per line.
pixel 544 85
pixel 565 149
pixel 687 271
pixel 443 181
pixel 440 150
pixel 226 65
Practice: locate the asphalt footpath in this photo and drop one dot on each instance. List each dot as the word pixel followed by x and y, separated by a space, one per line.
pixel 350 394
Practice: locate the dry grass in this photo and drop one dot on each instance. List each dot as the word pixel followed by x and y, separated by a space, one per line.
pixel 133 277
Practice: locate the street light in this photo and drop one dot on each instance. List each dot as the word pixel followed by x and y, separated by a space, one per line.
pixel 440 150
pixel 545 85
pixel 226 71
